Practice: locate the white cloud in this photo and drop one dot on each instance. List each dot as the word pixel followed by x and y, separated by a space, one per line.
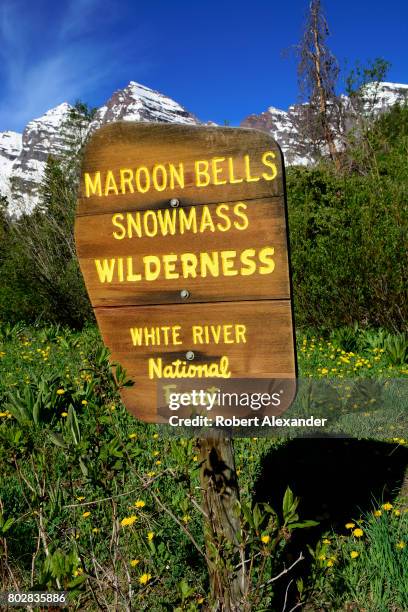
pixel 76 60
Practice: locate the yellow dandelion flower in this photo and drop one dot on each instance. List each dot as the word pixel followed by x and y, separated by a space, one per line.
pixel 155 436
pixel 330 563
pixel 350 525
pixel 150 536
pixel 95 530
pixel 86 514
pixel 326 541
pixel 140 503
pixel 84 402
pixel 358 533
pixel 134 562
pixel 156 453
pixel 397 512
pixel 128 520
pixel 322 557
pixel 144 578
pixel 354 554
pixel 186 518
pixel 377 513
pixel 132 435
pixel 387 506
pixel 158 462
pixel 401 544
pixel 64 414
pixel 265 539
pixel 81 498
pixel 151 474
pixel 200 600
pixel 60 391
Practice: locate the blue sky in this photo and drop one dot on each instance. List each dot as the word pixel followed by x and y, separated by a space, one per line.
pixel 221 60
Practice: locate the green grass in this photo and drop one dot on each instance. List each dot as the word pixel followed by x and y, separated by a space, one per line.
pixel 75 464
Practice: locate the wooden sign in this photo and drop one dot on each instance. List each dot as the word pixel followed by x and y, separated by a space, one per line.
pixel 181 235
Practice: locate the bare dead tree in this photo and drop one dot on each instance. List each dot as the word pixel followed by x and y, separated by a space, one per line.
pixel 319 120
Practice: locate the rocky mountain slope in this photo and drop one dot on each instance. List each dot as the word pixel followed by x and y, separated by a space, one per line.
pixel 282 125
pixel 23 157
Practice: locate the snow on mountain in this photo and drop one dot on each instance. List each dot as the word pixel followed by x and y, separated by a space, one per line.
pixel 22 165
pixel 10 148
pixel 42 137
pixel 380 96
pixel 139 103
pixel 23 157
pixel 283 125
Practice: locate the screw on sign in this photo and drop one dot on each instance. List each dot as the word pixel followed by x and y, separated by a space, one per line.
pixel 181 236
pixel 182 241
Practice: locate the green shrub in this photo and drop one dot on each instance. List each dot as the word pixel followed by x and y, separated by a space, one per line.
pixel 348 236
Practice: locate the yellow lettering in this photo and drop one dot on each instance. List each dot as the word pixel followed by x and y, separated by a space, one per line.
pixel 270 164
pixel 93 187
pixel 121 276
pixel 246 260
pixel 159 186
pixel 188 265
pixel 110 184
pixel 176 334
pixel 176 175
pixel 197 333
pixel 117 217
pixel 265 257
pixel 126 178
pixel 188 221
pixel 227 259
pixel 133 223
pixel 216 170
pixel 167 221
pixel 130 276
pixel 206 220
pixel 142 188
pixel 169 262
pixel 240 331
pixel 232 178
pixel 155 367
pixel 241 215
pixel 201 173
pixel 152 267
pixel 248 177
pixel 224 217
pixel 228 339
pixel 105 269
pixel 137 336
pixel 150 214
pixel 209 262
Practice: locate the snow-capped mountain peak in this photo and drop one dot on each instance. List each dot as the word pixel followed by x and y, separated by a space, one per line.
pixel 23 157
pixel 137 102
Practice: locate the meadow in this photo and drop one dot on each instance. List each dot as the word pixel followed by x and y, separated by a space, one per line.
pixel 109 508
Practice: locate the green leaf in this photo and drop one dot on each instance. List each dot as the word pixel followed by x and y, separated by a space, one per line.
pixel 7 524
pixel 57 439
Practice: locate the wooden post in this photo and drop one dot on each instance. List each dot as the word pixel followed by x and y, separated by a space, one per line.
pixel 227 572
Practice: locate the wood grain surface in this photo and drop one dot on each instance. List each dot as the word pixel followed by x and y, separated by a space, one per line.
pixel 268 351
pixel 266 228
pixel 130 145
pixel 245 316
